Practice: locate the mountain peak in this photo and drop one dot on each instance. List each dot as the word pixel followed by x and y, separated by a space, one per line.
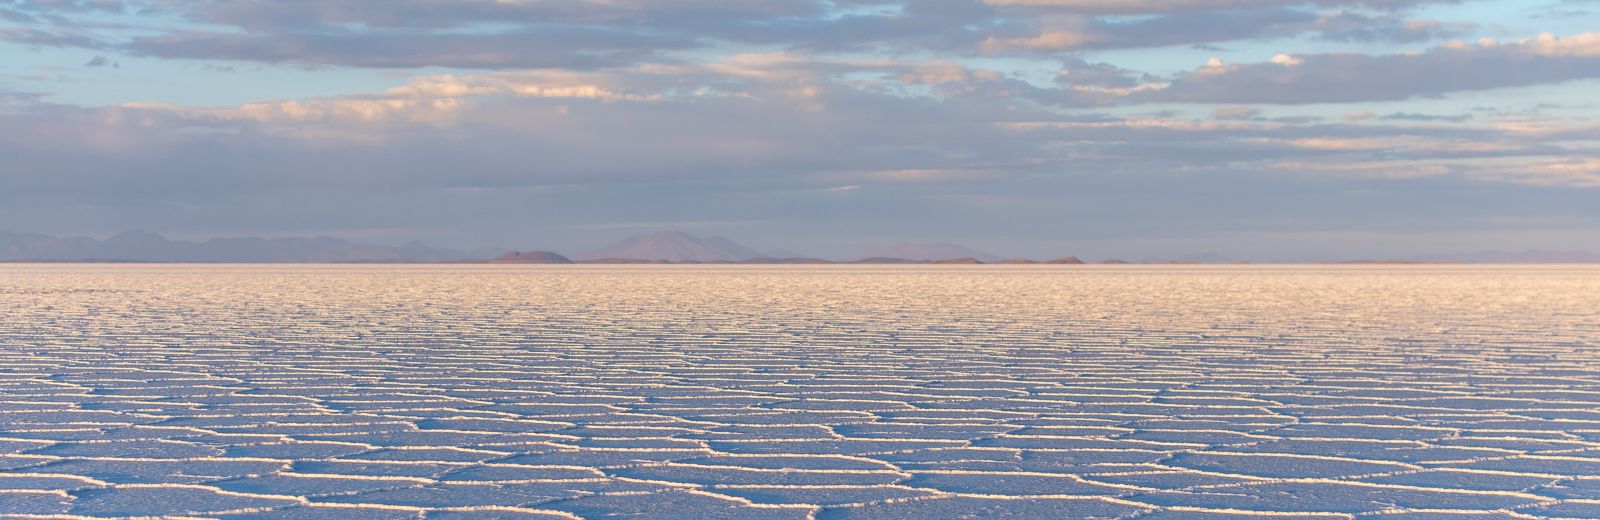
pixel 531 257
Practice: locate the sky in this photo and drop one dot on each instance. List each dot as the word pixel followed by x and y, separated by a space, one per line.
pixel 1253 129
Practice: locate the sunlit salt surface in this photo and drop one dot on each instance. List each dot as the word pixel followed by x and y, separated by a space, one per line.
pixel 800 392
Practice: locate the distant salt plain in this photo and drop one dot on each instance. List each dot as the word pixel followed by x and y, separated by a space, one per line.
pixel 1395 392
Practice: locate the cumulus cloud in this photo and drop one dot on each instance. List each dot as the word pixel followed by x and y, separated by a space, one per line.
pixel 556 47
pixel 429 100
pixel 1353 26
pixel 589 34
pixel 1127 7
pixel 1349 77
pixel 509 152
pixel 1569 172
pixel 51 37
pixel 1046 34
pixel 929 112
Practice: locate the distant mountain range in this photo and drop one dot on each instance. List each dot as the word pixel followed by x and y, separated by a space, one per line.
pixel 662 247
pixel 141 246
pixel 1522 257
pixel 931 251
pixel 531 257
pixel 673 246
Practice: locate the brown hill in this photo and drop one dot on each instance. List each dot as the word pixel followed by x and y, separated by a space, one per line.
pixel 531 257
pixel 1065 260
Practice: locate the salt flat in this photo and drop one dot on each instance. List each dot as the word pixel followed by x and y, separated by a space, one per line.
pixel 1414 392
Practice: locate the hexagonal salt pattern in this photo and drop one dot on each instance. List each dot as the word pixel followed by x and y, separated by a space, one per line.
pixel 799 392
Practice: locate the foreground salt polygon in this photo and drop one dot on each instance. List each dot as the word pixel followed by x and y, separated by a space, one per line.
pixel 800 392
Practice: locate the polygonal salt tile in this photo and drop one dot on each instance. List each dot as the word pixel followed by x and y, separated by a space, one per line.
pixel 1166 479
pixel 637 444
pixel 984 508
pixel 1556 465
pixel 294 484
pixel 160 471
pixel 1212 438
pixel 1586 489
pixel 404 438
pixel 1012 484
pixel 830 447
pixel 9 446
pixel 1435 515
pixel 754 432
pixel 1565 510
pixel 1078 430
pixel 1330 497
pixel 792 462
pixel 168 500
pixel 376 469
pixel 601 459
pixel 1233 515
pixel 294 450
pixel 439 454
pixel 830 496
pixel 1444 479
pixel 627 431
pixel 921 431
pixel 314 512
pixel 673 504
pixel 34 502
pixel 715 475
pixel 944 455
pixel 1281 466
pixel 494 473
pixel 60 418
pixel 516 494
pixel 492 425
pixel 1359 431
pixel 1080 461
pixel 130 449
pixel 43 482
pixel 496 514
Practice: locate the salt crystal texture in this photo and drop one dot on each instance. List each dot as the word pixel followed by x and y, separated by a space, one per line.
pixel 800 391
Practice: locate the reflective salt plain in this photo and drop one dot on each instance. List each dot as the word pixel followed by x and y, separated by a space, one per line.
pixel 800 392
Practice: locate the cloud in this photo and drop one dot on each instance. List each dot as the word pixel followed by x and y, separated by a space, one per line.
pixel 1046 34
pixel 269 15
pixel 1236 113
pixel 1135 7
pixel 428 100
pixel 533 154
pixel 101 61
pixel 593 34
pixel 552 47
pixel 1408 116
pixel 51 37
pixel 965 116
pixel 1584 173
pixel 1350 77
pixel 18 100
pixel 1352 26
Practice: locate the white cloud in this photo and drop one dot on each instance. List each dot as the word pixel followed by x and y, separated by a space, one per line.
pixel 1352 77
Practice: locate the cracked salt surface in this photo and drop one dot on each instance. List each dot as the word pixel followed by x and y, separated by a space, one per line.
pixel 286 392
